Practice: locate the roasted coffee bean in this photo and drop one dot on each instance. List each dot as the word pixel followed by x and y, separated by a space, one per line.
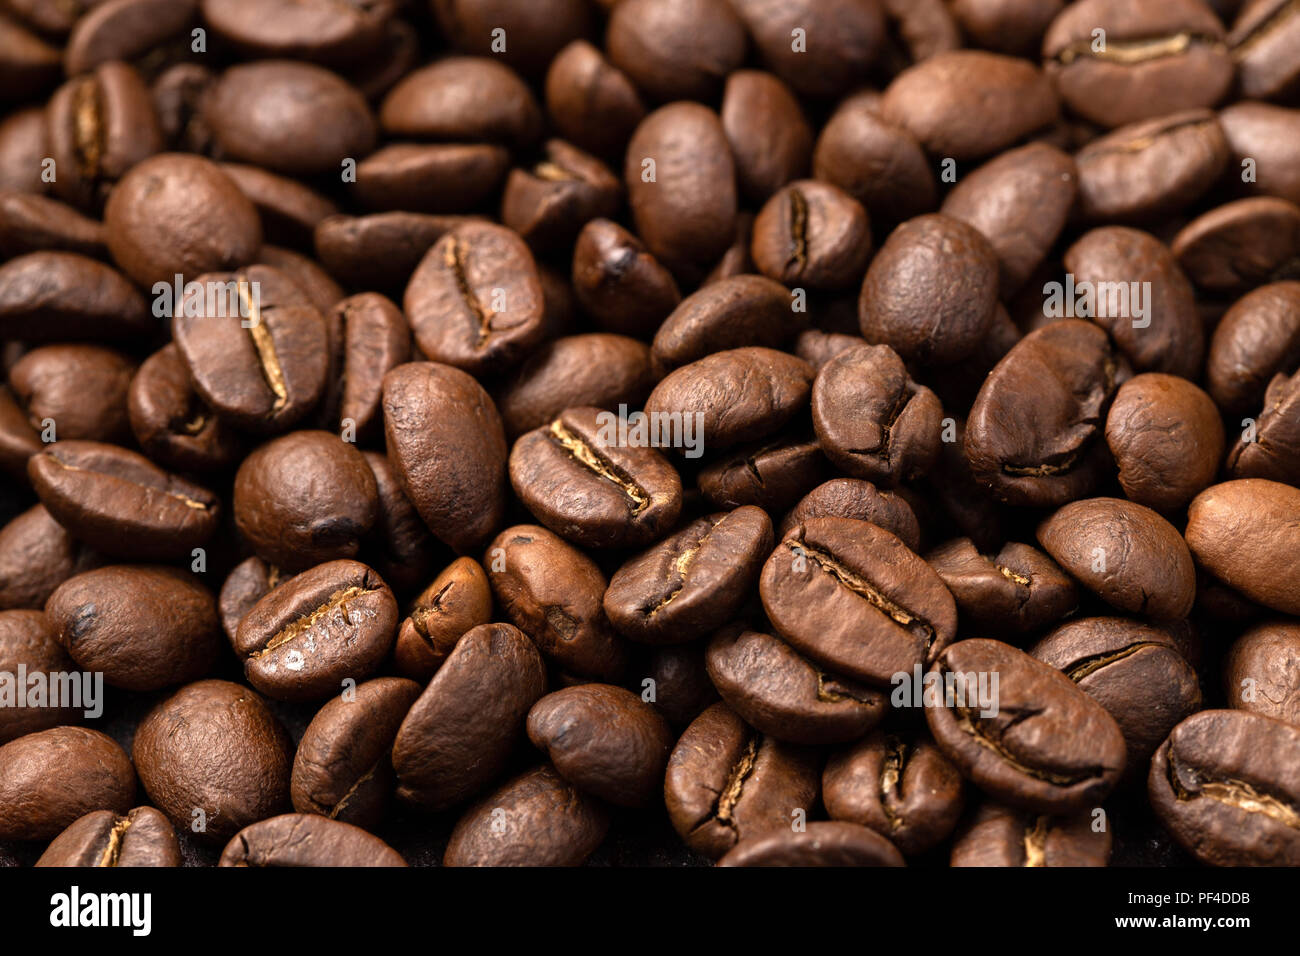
pixel 255 347
pixel 552 592
pixel 771 473
pixel 850 34
pixel 872 420
pixel 618 282
pixel 731 397
pixel 368 336
pixel 170 421
pixel 458 600
pixel 549 203
pixel 1003 836
pixel 1017 590
pixel 82 389
pixel 1167 439
pixel 380 250
pixel 676 50
pixel 37 554
pixel 785 696
pixel 1036 742
pixel 743 310
pixel 1224 785
pixel 342 767
pixel 1262 42
pixel 448 450
pixel 305 839
pixel 307 637
pixel 458 735
pixel 143 627
pixel 30 223
pixel 692 582
pixel 1019 202
pixel 1152 168
pixel 547 822
pixel 140 837
pixel 62 295
pixel 1260 672
pixel 931 291
pixel 1156 59
pixel 475 300
pixel 538 31
pixel 726 782
pixel 902 788
pixel 289 211
pixel 291 118
pixel 771 140
pixel 126 30
pixel 1133 670
pixel 821 844
pixel 28 646
pixel 1125 553
pixel 1244 534
pixel 465 100
pixel 1256 339
pixel 1241 245
pixel 1007 26
pixel 50 778
pixel 250 581
pixel 853 498
pixel 585 484
pixel 681 185
pixel 1265 134
pixel 812 234
pixel 214 759
pixel 305 498
pixel 178 93
pixel 399 546
pixel 683 690
pixel 592 103
pixel 316 30
pixel 923 28
pixel 121 504
pixel 1033 437
pixel 434 178
pixel 22 147
pixel 322 291
pixel 854 598
pixel 604 740
pixel 100 124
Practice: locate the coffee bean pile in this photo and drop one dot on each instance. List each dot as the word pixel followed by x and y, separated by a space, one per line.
pixel 486 432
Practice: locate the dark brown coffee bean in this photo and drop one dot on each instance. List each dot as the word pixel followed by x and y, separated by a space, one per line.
pixel 1034 430
pixel 1155 59
pixel 1260 671
pixel 458 600
pixel 28 644
pixel 100 124
pixel 1167 439
pixel 475 301
pixel 399 546
pixel 1257 338
pixel 853 498
pixel 448 450
pixel 582 482
pixel 125 30
pixel 142 627
pixel 82 389
pixel 464 100
pixel 317 30
pixel 119 503
pixel 250 581
pixel 51 778
pixel 1264 134
pixel 872 420
pixel 1018 590
pixel 170 421
pixel 618 282
pixel 821 844
pixel 681 185
pixel 902 788
pixel 1019 202
pixel 30 223
pixel 549 203
pixel 290 211
pixel 22 147
pixel 770 139
pixel 368 336
pixel 1225 786
pixel 1241 245
pixel 785 696
pixel 851 596
pixel 844 38
pixel 292 118
pixel 255 347
pixel 931 291
pixel 459 733
pixel 322 291
pixel 37 554
pixel 1007 26
pixel 591 102
pixel 178 93
pixel 770 474
pixel 552 592
pixel 63 295
pixel 140 837
pixel 734 396
pixel 315 631
pixel 381 250
pixel 546 822
pixel 537 31
pixel 1262 41
pixel 682 689
pixel 966 104
pixel 812 233
pixel 1124 553
pixel 304 498
pixel 1238 529
pixel 433 178
pixel 342 767
pixel 676 50
pixel 302 839
pixel 605 741
pixel 1004 836
pixel 923 28
pixel 726 783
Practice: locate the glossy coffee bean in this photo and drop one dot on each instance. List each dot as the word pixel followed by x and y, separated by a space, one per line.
pixel 139 837
pixel 1241 245
pixel 1265 133
pixel 1258 337
pixel 463 99
pixel 549 203
pixel 821 844
pixel 771 473
pixel 1259 674
pixel 619 282
pixel 29 644
pixel 458 600
pixel 539 30
pixel 317 30
pixel 592 103
pixel 63 295
pixel 289 211
pixel 770 139
pixel 380 250
pixel 82 389
pixel 854 498
pixel 812 234
pixel 247 583
pixel 305 839
pixel 50 778
pixel 729 313
pixel 1019 589
pixel 1262 42
pixel 31 223
pixel 172 424
pixel 999 835
pixel 851 35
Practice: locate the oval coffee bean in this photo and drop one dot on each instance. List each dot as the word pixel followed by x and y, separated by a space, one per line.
pixel 676 51
pixel 812 234
pixel 854 498
pixel 822 844
pixel 458 600
pixel 604 740
pixel 549 203
pixel 618 282
pixel 769 474
pixel 1240 245
pixel 591 102
pixel 327 625
pixel 315 30
pixel 82 388
pixel 28 644
pixel 1256 339
pixel 140 837
pixel 305 839
pixel 170 421
pixel 37 554
pixel 1262 671
pixel 730 313
pixel 465 100
pixel 62 295
pixel 31 223
pixel 50 778
pixel 1004 836
pixel 1019 589
pixel 1038 742
pixel 770 138
pixel 458 735
pixel 851 36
